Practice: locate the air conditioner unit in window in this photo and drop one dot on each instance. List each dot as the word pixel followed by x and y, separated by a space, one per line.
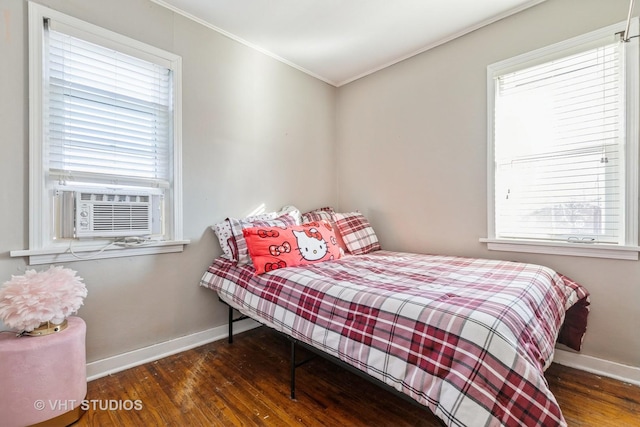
pixel 112 215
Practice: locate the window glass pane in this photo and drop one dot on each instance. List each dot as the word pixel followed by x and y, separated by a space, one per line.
pixel 559 154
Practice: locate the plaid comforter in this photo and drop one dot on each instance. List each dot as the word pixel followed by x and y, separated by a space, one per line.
pixel 468 338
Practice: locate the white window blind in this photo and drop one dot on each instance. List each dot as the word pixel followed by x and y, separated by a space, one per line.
pixel 559 149
pixel 108 114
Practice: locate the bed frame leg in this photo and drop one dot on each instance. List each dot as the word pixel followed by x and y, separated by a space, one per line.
pixel 293 370
pixel 230 338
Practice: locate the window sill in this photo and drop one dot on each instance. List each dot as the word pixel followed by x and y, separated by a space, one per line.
pixel 62 253
pixel 559 248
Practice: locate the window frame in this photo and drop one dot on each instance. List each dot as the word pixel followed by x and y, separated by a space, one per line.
pixel 42 248
pixel 629 250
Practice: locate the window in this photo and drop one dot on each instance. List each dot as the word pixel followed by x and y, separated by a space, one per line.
pixel 563 148
pixel 105 174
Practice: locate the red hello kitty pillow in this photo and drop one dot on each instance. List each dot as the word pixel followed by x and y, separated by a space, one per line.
pixel 271 248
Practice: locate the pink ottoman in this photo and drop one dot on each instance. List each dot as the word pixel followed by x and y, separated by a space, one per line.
pixel 43 378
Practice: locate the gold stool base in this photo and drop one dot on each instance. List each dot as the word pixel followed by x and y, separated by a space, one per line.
pixel 46 328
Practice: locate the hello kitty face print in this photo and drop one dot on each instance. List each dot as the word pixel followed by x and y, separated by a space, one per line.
pixel 311 245
pixel 274 248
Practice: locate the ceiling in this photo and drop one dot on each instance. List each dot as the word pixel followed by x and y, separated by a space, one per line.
pixel 339 41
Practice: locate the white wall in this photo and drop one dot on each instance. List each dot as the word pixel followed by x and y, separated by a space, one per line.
pixel 412 156
pixel 251 126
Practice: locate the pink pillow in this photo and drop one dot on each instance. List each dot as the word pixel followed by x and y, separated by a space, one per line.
pixel 239 245
pixel 271 248
pixel 357 233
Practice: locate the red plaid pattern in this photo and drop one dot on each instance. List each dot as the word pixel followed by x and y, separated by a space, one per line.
pixel 468 338
pixel 325 213
pixel 357 233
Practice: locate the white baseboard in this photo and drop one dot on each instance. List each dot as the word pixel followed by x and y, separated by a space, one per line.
pixel 111 365
pixel 605 368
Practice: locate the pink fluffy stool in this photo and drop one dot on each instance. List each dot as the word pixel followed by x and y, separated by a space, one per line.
pixel 43 379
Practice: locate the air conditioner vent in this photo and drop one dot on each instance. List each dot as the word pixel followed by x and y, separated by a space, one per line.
pixel 107 197
pixel 112 215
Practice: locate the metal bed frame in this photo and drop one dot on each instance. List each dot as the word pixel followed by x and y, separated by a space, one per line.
pixel 294 364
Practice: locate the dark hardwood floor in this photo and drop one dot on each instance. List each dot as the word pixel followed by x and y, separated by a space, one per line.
pixel 247 384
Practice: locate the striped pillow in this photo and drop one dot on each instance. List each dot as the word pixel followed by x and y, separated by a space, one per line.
pixel 357 233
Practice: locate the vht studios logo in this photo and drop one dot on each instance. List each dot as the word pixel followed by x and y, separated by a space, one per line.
pixel 86 405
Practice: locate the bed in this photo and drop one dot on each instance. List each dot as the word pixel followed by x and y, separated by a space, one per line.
pixel 467 338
